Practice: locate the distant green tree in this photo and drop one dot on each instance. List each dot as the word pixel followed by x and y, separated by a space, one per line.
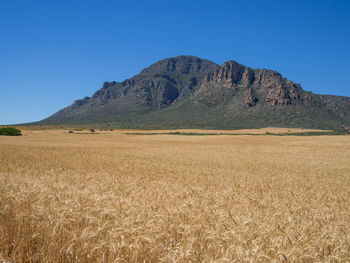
pixel 9 131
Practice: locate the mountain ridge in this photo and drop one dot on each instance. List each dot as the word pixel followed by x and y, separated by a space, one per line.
pixel 190 92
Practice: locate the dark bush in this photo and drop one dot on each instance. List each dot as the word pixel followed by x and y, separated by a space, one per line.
pixel 92 130
pixel 9 131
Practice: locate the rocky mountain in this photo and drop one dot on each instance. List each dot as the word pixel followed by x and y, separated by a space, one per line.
pixel 190 92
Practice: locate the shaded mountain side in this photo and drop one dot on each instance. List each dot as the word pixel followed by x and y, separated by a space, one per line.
pixel 189 92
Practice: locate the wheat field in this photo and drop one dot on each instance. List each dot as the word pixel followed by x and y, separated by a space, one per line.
pixel 112 197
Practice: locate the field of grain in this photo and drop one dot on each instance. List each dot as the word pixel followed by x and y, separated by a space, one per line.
pixel 112 197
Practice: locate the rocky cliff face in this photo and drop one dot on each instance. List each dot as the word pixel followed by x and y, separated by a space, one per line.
pixel 189 92
pixel 267 84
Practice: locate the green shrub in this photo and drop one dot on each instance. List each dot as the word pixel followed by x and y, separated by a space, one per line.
pixel 9 131
pixel 70 132
pixel 92 130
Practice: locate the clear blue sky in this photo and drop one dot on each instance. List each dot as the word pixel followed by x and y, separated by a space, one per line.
pixel 54 52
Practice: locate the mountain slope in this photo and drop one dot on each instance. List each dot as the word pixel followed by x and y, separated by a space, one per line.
pixel 189 92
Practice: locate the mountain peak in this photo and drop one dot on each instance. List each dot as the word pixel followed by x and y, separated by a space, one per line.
pixel 182 64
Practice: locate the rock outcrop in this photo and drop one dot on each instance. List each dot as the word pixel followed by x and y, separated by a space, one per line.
pixel 250 98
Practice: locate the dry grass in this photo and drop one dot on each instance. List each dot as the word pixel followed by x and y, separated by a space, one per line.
pixel 111 197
